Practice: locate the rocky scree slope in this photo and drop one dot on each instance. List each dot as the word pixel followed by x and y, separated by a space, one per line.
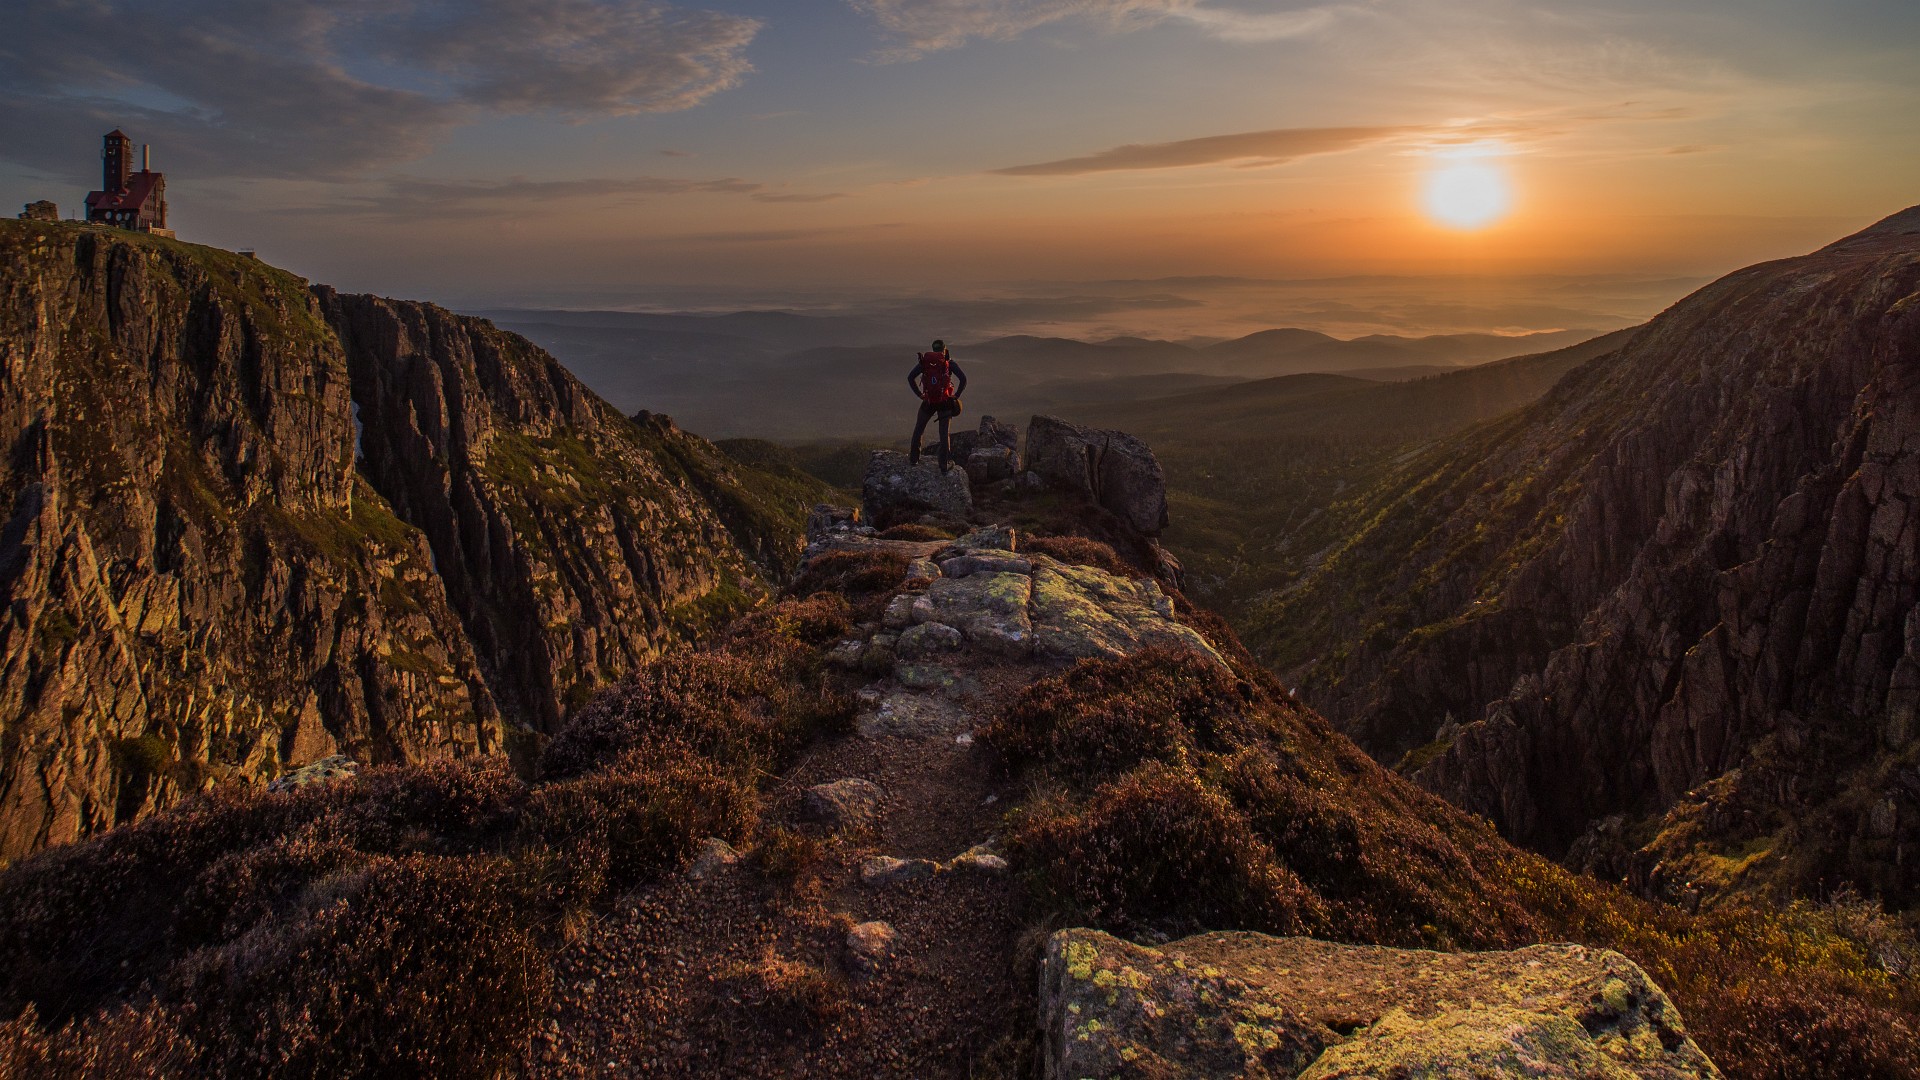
pixel 204 570
pixel 1685 579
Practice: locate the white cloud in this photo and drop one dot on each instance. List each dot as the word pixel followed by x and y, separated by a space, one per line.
pixel 327 88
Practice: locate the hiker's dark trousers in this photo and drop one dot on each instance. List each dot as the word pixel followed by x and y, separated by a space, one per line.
pixel 928 410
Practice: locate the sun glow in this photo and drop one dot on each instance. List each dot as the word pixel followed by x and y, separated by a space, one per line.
pixel 1467 191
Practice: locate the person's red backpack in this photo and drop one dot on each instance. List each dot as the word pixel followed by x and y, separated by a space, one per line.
pixel 936 378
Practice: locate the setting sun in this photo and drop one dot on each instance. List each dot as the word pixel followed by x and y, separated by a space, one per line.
pixel 1467 194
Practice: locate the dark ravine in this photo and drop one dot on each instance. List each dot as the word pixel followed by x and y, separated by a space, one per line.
pixel 1692 563
pixel 205 581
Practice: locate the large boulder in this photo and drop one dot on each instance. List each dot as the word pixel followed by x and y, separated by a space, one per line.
pixel 1242 1004
pixel 1080 612
pixel 993 435
pixel 988 608
pixel 895 492
pixel 1110 468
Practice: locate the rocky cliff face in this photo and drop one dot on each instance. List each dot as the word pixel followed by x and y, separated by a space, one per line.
pixel 1691 568
pixel 234 545
pixel 572 545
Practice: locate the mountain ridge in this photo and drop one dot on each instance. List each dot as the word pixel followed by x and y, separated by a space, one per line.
pixel 215 568
pixel 1673 586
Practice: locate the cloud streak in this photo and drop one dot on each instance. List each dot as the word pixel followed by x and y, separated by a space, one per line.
pixel 918 27
pixel 1274 147
pixel 328 88
pixel 415 198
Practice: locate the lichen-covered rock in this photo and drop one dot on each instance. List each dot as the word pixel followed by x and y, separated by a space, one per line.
pixel 929 638
pixel 987 538
pixel 1081 612
pixel 1112 469
pixel 844 804
pixel 895 491
pixel 926 677
pixel 899 613
pixel 1242 1004
pixel 336 767
pixel 990 609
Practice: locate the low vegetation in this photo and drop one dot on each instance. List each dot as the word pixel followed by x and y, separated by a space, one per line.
pixel 1176 797
pixel 399 924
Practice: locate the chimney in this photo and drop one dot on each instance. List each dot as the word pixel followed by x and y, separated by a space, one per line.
pixel 146 157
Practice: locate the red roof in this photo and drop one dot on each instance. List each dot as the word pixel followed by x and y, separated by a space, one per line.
pixel 139 188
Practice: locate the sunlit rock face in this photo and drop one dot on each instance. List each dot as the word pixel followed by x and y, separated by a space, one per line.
pixel 1693 560
pixel 252 525
pixel 1243 1004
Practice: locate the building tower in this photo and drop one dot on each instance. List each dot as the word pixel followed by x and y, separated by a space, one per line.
pixel 128 199
pixel 116 162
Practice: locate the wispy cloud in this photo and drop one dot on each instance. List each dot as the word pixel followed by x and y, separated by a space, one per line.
pixel 1508 133
pixel 264 87
pixel 918 27
pixel 414 198
pixel 799 197
pixel 1254 147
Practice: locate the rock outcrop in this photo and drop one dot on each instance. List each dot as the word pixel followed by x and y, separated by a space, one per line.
pixel 235 547
pixel 895 491
pixel 1249 1005
pixel 1112 469
pixel 1690 568
pixel 988 596
pixel 572 541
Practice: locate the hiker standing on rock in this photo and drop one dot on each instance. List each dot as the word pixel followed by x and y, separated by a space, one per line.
pixel 932 381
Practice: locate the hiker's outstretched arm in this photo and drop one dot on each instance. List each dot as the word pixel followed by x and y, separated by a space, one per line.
pixel 913 380
pixel 962 376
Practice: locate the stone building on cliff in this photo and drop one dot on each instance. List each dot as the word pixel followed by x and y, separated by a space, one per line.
pixel 128 199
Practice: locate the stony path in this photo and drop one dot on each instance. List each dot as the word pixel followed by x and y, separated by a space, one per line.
pixel 888 950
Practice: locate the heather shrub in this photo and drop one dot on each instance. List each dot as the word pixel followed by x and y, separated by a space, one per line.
pixel 743 709
pixel 1158 847
pixel 120 1042
pixel 1105 716
pixel 789 993
pixel 414 966
pixel 1081 551
pixel 399 923
pixel 916 532
pixel 816 620
pixel 856 575
pixel 1807 1028
pixel 618 825
pixel 789 856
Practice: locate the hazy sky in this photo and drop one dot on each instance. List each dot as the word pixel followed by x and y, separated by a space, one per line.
pixel 498 150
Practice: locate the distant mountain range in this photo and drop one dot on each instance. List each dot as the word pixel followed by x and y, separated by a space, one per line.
pixel 783 375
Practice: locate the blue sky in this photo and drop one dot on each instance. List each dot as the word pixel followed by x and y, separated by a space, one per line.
pixel 500 148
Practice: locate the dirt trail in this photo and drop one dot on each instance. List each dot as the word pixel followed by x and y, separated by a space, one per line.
pixel 746 969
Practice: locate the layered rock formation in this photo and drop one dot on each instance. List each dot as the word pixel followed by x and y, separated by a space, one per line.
pixel 1691 567
pixel 234 546
pixel 1241 1004
pixel 572 541
pixel 895 491
pixel 1112 469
